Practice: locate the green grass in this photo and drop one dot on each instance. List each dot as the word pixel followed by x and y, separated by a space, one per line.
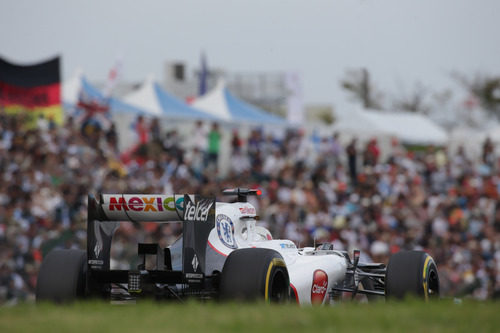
pixel 411 316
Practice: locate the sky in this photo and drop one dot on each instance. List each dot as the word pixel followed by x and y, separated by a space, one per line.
pixel 400 42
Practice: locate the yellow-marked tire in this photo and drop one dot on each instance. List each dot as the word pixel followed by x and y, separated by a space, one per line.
pixel 411 273
pixel 255 274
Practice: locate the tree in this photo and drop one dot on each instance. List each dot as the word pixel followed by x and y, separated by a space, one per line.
pixel 485 88
pixel 357 82
pixel 415 101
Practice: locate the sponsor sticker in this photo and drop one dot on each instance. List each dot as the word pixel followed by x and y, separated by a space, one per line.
pixel 198 212
pixel 96 262
pixel 195 262
pixel 194 276
pixel 287 246
pixel 145 204
pixel 97 249
pixel 225 231
pixel 247 210
pixel 319 286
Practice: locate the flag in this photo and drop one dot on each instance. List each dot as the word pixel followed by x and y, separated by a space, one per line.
pixel 203 75
pixel 294 100
pixel 113 77
pixel 92 114
pixel 35 89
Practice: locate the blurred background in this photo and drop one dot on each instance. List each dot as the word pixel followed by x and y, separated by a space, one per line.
pixel 370 125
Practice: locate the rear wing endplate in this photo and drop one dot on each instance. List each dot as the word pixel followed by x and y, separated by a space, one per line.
pixel 196 213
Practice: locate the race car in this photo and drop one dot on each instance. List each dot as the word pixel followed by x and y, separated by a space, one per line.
pixel 222 254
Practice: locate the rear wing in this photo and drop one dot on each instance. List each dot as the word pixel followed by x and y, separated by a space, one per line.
pixel 196 213
pixel 138 207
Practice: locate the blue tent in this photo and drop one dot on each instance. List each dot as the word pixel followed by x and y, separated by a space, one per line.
pixel 242 111
pixel 156 101
pixel 222 104
pixel 115 105
pixel 173 107
pixel 79 85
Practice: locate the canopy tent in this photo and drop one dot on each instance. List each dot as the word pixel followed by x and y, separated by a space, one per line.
pixel 493 133
pixel 468 138
pixel 410 128
pixel 71 89
pixel 78 84
pixel 157 102
pixel 222 104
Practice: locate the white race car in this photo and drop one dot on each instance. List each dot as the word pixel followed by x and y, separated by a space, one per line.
pixel 222 254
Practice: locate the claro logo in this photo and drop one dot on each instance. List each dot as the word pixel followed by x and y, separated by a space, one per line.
pixel 146 204
pixel 319 286
pixel 247 210
pixel 198 212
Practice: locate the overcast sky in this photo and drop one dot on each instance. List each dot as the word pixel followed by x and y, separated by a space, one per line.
pixel 399 42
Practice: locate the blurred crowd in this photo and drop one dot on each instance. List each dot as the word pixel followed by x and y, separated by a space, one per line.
pixel 315 190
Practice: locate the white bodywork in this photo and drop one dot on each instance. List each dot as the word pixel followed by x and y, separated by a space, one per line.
pixel 312 273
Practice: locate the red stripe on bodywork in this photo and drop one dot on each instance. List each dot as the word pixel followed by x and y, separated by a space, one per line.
pixel 296 294
pixel 213 248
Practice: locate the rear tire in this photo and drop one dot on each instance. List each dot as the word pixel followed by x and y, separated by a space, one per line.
pixel 253 274
pixel 62 276
pixel 411 273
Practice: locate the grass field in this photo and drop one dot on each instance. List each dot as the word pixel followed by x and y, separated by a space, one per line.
pixel 412 316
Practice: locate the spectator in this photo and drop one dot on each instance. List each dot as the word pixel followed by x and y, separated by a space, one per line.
pixel 214 137
pixel 434 199
pixel 371 153
pixel 200 137
pixel 112 137
pixel 236 142
pixel 156 130
pixel 352 161
pixel 487 154
pixel 142 130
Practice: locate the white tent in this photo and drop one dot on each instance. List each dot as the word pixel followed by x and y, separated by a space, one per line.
pixel 157 102
pixel 220 103
pixel 145 97
pixel 494 134
pixel 410 128
pixel 214 102
pixel 71 88
pixel 470 139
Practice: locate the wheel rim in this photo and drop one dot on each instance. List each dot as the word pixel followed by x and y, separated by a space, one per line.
pixel 433 283
pixel 279 290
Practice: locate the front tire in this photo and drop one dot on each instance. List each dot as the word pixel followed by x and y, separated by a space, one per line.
pixel 62 276
pixel 411 273
pixel 254 273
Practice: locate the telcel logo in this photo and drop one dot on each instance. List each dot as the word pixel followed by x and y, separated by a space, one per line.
pixel 198 212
